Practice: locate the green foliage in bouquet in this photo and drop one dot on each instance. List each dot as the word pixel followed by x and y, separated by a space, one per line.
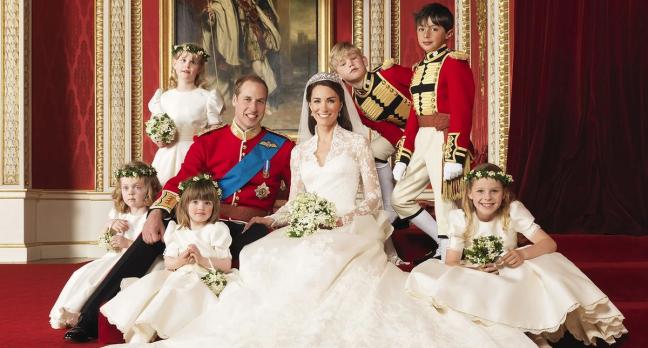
pixel 308 213
pixel 161 128
pixel 484 250
pixel 216 281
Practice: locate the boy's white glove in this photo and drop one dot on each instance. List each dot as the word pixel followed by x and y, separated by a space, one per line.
pixel 399 170
pixel 451 170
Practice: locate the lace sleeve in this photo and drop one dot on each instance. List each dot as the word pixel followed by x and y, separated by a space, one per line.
pixel 281 216
pixel 372 198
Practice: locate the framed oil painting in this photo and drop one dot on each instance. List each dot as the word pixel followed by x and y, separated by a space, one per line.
pixel 282 41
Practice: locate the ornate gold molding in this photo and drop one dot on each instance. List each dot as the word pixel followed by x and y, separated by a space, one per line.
pixel 395 30
pixel 27 88
pixel 462 28
pixel 498 82
pixel 11 90
pixel 167 14
pixel 324 33
pixel 117 83
pixel 358 29
pixel 99 95
pixel 136 81
pixel 376 27
pixel 481 31
pixel 504 92
pixel 37 244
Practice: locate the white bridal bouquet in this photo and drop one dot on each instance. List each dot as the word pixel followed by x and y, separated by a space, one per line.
pixel 484 250
pixel 216 281
pixel 309 212
pixel 160 128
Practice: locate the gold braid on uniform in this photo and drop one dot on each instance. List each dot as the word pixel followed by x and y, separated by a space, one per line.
pixel 167 201
pixel 380 100
pixel 403 155
pixel 453 153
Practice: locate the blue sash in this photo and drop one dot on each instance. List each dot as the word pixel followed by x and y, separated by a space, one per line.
pixel 251 164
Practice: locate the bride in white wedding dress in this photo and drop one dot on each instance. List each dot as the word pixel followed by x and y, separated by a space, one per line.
pixel 334 288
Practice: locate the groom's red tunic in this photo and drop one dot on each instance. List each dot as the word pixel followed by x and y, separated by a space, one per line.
pixel 216 152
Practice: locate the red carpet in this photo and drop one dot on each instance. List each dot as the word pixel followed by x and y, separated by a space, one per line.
pixel 617 264
pixel 26 297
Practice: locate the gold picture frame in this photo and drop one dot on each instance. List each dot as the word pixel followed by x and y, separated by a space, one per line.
pixel 286 122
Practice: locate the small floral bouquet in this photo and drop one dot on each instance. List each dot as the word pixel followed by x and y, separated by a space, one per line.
pixel 104 239
pixel 309 212
pixel 161 129
pixel 216 281
pixel 484 250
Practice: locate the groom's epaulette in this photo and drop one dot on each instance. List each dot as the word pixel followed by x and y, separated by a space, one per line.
pixel 212 128
pixel 287 136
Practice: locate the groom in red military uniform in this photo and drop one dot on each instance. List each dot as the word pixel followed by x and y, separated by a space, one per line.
pixel 249 161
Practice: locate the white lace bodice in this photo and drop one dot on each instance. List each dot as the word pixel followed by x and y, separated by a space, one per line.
pixel 191 111
pixel 349 164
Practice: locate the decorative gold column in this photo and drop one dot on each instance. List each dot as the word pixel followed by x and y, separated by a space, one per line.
pixel 15 105
pixel 137 76
pixel 99 95
pixel 395 30
pixel 118 87
pixel 462 25
pixel 18 226
pixel 376 33
pixel 358 24
pixel 498 81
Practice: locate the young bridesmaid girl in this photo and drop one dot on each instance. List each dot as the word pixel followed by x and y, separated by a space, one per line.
pixel 162 302
pixel 138 186
pixel 192 108
pixel 532 288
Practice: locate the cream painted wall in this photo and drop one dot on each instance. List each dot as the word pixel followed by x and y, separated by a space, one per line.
pixel 51 224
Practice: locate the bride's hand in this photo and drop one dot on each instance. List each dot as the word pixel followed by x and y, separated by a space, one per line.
pixel 490 268
pixel 264 220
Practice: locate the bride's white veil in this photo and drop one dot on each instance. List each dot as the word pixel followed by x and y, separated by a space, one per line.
pixel 304 133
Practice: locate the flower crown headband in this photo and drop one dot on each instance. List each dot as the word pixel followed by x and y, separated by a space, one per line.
pixel 191 48
pixel 198 178
pixel 133 172
pixel 498 175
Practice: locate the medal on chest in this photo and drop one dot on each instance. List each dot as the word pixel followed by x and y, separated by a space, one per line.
pixel 262 191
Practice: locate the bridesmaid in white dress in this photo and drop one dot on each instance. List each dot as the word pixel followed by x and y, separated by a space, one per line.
pixel 334 288
pixel 162 302
pixel 536 289
pixel 192 108
pixel 138 186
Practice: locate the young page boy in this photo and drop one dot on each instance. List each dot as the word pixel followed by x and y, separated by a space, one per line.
pixel 437 147
pixel 383 101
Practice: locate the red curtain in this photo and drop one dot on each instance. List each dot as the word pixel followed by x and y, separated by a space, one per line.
pixel 579 114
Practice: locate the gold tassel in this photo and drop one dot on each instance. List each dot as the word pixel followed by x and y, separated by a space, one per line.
pixel 453 190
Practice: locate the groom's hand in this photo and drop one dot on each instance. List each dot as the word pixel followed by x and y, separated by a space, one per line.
pixel 153 229
pixel 264 220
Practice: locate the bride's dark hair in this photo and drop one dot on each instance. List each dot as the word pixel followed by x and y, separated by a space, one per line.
pixel 343 120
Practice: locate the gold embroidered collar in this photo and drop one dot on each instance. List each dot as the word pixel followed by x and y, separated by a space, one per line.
pixel 244 134
pixel 431 55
